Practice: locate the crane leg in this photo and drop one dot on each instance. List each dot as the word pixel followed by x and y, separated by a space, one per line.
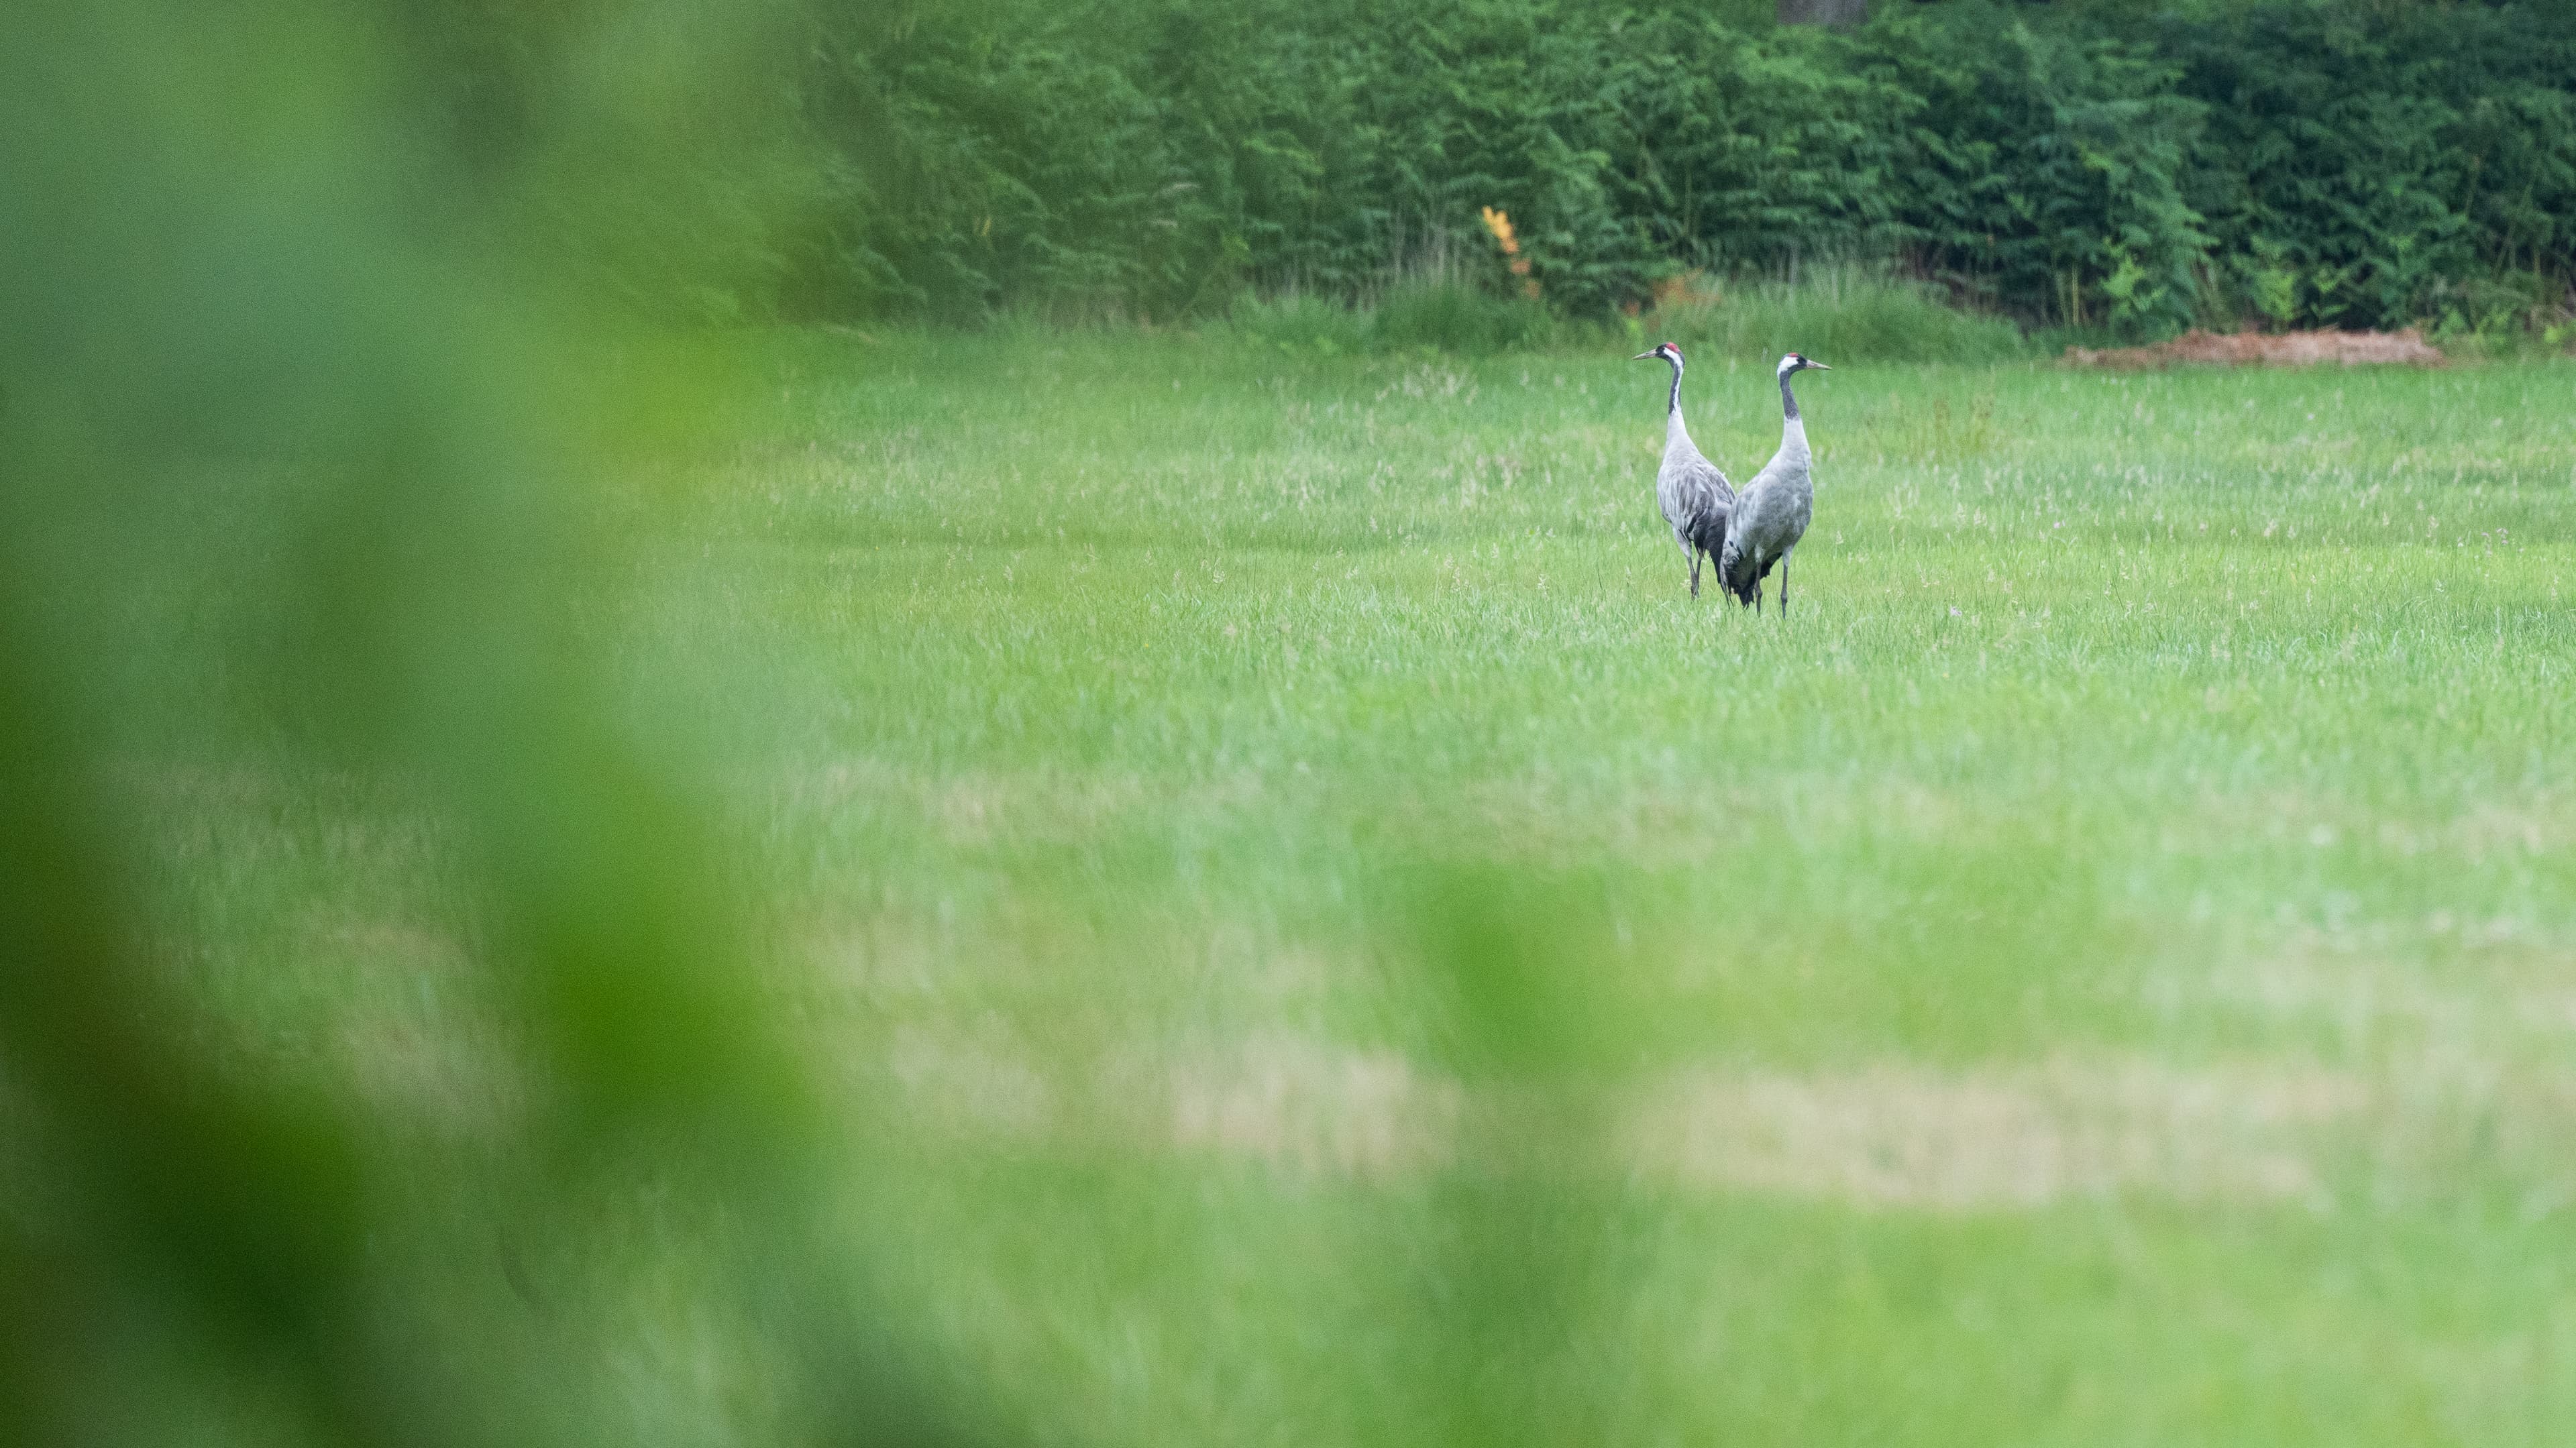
pixel 1784 585
pixel 1694 575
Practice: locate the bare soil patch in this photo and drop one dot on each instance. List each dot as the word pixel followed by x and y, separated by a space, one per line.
pixel 2258 349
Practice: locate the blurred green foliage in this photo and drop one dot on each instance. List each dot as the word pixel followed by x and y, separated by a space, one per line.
pixel 442 1082
pixel 319 366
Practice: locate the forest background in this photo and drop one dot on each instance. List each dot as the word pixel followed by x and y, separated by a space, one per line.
pixel 2114 165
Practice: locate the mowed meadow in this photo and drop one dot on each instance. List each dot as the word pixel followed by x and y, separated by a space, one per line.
pixel 1351 952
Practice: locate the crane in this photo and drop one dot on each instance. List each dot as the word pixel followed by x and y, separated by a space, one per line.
pixel 1771 516
pixel 1694 495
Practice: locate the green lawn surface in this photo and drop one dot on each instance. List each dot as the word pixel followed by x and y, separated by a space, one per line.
pixel 1355 954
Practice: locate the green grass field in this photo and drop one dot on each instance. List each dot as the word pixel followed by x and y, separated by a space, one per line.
pixel 1356 954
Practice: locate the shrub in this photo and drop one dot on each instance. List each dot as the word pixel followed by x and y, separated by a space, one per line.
pixel 1438 313
pixel 1454 316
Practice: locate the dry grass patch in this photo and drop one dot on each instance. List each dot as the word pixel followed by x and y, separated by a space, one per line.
pixel 1305 1105
pixel 1884 1136
pixel 2015 1137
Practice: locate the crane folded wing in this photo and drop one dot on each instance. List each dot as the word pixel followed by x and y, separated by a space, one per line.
pixel 1709 500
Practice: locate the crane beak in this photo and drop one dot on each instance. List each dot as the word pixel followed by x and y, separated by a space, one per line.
pixel 1820 367
pixel 1642 356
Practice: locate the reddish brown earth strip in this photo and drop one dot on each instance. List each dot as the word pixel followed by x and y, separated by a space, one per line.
pixel 2257 349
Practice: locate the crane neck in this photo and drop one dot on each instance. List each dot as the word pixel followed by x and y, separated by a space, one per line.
pixel 1793 430
pixel 1676 431
pixel 1673 410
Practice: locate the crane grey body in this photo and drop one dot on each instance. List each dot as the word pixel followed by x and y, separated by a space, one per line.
pixel 1693 494
pixel 1771 516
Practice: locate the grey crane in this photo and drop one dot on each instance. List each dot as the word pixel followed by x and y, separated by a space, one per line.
pixel 1771 516
pixel 1694 495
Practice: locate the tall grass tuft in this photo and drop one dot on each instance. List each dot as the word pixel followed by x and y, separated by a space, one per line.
pixel 1429 312
pixel 1453 316
pixel 1837 312
pixel 1845 311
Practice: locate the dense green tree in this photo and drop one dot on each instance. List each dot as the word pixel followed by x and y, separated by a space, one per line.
pixel 1824 12
pixel 2094 161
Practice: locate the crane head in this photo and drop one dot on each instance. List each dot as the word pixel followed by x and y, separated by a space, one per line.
pixel 1664 350
pixel 1795 363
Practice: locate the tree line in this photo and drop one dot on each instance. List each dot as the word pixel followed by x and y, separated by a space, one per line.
pixel 2109 165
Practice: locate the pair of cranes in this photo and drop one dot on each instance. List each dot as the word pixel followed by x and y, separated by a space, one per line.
pixel 1742 534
